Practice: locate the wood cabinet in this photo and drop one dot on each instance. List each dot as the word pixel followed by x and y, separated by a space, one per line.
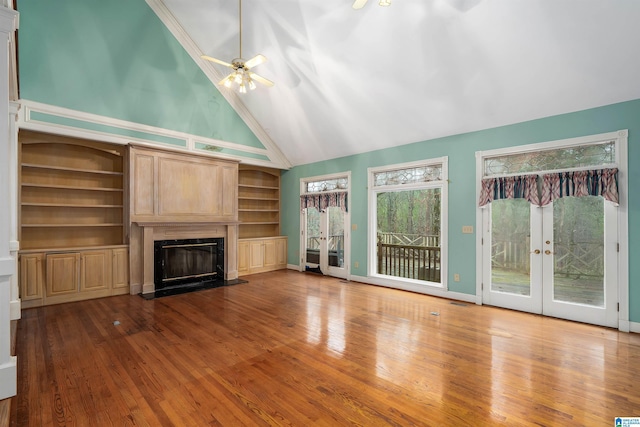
pixel 258 202
pixel 31 279
pixel 261 254
pixel 120 271
pixel 56 277
pixel 72 218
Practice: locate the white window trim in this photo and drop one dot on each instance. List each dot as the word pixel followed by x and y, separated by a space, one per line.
pixel 621 139
pixel 399 282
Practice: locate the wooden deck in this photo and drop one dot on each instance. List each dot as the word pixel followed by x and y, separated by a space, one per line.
pixel 298 349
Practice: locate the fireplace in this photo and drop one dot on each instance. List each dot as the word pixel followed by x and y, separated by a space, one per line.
pixel 186 263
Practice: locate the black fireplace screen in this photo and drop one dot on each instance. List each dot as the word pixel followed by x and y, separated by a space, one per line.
pixel 188 261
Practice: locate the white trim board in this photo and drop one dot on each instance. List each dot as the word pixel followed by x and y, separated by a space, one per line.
pixel 25 121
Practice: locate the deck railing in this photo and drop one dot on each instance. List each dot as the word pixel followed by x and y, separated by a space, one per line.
pixel 410 256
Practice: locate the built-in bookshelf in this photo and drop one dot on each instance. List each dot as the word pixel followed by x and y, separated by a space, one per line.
pixel 71 192
pixel 258 202
pixel 71 209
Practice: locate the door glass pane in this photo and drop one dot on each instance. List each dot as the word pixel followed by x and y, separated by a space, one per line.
pixel 313 236
pixel 335 237
pixel 511 246
pixel 578 243
pixel 408 234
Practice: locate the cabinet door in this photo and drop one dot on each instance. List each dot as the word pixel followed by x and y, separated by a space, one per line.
pixel 63 274
pixel 120 272
pixel 243 257
pixel 281 252
pixel 95 271
pixel 270 253
pixel 256 258
pixel 31 274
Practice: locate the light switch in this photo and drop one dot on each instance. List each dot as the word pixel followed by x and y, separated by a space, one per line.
pixel 467 229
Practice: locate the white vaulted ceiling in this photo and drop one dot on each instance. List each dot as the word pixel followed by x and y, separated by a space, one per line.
pixel 349 81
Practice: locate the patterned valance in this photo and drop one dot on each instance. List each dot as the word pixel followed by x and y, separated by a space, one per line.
pixel 510 187
pixel 324 200
pixel 599 182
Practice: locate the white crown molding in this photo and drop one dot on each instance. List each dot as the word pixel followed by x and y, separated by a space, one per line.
pixel 25 121
pixel 214 76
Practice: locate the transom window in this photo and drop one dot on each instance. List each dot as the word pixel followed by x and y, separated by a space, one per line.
pixel 410 175
pixel 601 154
pixel 326 185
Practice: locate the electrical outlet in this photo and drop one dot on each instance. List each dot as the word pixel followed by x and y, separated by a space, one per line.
pixel 467 229
pixel 354 227
pixel 456 277
pixel 356 264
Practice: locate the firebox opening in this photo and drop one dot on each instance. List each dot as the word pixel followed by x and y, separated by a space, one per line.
pixel 188 262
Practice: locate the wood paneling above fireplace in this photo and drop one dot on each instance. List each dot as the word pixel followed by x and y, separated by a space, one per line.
pixel 175 187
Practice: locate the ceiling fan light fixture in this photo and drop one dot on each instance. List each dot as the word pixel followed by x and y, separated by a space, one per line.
pixel 385 3
pixel 241 74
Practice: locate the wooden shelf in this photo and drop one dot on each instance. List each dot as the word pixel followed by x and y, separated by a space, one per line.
pixel 265 187
pixel 66 205
pixel 72 187
pixel 69 169
pixel 258 198
pixel 70 225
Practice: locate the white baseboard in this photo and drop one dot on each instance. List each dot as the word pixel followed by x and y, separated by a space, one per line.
pixel 293 267
pixel 8 379
pixel 634 327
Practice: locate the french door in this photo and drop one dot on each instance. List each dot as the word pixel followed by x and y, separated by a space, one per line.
pixel 558 260
pixel 325 241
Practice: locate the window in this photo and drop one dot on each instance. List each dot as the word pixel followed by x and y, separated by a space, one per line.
pixel 408 221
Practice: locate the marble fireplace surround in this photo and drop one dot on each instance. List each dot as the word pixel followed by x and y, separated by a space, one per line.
pixel 150 232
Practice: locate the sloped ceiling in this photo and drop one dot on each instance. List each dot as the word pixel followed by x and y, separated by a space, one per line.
pixel 350 81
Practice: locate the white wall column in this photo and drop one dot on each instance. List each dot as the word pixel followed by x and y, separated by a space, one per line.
pixel 14 245
pixel 8 372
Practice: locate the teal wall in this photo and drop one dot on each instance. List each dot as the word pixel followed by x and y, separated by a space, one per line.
pixel 460 150
pixel 115 58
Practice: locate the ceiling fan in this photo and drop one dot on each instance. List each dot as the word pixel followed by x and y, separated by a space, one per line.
pixel 359 4
pixel 241 74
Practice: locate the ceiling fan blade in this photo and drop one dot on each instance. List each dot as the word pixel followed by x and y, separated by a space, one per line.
pixel 260 79
pixel 359 4
pixel 217 61
pixel 256 60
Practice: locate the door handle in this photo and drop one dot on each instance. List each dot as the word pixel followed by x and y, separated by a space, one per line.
pixel 537 251
pixel 547 252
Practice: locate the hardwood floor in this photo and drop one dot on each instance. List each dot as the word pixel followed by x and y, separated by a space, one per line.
pixel 298 349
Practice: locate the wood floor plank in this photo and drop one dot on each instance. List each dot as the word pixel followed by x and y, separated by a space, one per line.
pixel 297 349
